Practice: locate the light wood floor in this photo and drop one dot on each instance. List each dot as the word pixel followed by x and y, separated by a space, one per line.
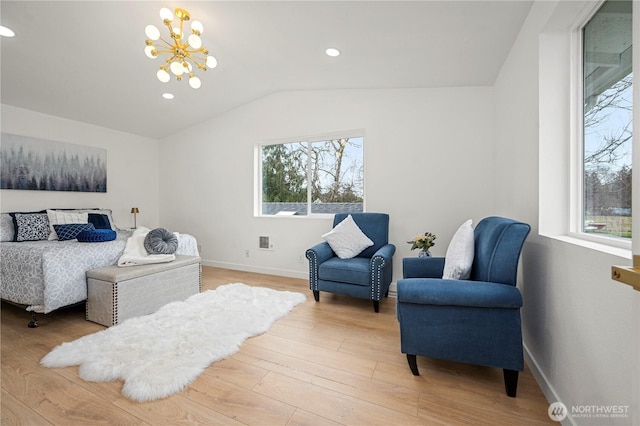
pixel 335 362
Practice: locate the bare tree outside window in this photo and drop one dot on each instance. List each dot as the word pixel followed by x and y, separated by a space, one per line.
pixel 608 121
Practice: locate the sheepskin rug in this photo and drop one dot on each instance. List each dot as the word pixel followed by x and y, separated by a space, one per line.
pixel 158 355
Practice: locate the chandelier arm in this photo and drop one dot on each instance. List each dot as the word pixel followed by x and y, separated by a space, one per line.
pixel 181 31
pixel 166 42
pixel 163 52
pixel 193 51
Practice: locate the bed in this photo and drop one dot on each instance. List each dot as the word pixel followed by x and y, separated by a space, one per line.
pixel 45 275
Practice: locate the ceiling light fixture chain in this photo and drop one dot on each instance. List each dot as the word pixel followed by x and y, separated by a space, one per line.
pixel 183 52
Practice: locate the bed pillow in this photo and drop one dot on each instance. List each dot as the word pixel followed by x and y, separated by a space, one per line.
pixel 460 253
pixel 31 226
pixel 7 228
pixel 97 236
pixel 64 217
pixel 161 241
pixel 99 221
pixel 71 230
pixel 106 212
pixel 347 240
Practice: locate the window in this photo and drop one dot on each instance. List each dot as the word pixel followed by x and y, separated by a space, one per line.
pixel 607 93
pixel 323 175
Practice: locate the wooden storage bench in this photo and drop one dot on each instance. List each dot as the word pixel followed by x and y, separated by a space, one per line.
pixel 115 294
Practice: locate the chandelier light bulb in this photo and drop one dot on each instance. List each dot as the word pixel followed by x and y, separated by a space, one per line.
pixel 176 68
pixel 151 52
pixel 194 82
pixel 163 75
pixel 197 27
pixel 152 32
pixel 176 31
pixel 187 67
pixel 166 14
pixel 211 62
pixel 194 41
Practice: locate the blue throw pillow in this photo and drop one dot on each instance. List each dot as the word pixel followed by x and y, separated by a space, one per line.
pixel 70 231
pixel 97 236
pixel 99 221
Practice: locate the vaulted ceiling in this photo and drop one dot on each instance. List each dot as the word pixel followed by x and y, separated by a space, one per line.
pixel 84 60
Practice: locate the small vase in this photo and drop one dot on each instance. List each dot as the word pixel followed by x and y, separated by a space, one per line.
pixel 423 253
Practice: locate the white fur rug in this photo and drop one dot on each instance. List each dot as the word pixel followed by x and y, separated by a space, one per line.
pixel 157 355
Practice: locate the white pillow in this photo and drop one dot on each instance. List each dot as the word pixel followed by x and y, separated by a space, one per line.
pixel 459 257
pixel 346 239
pixel 7 228
pixel 61 217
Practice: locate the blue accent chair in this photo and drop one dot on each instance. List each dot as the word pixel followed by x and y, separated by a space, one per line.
pixel 367 275
pixel 475 321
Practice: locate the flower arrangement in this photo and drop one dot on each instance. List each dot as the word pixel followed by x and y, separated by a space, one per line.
pixel 423 241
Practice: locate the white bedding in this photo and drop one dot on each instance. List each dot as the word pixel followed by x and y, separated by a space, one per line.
pixel 47 275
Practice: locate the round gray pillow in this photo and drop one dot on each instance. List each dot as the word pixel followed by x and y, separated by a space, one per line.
pixel 161 241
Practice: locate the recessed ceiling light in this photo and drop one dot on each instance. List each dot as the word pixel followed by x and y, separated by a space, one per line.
pixel 6 32
pixel 167 95
pixel 332 51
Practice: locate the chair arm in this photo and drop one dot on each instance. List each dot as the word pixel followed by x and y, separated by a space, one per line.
pixel 430 267
pixel 319 253
pixel 381 271
pixel 437 291
pixel 386 252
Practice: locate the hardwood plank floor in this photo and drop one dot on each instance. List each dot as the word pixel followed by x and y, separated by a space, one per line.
pixel 335 362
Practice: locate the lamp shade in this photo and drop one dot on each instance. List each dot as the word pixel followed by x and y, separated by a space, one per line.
pixel 211 62
pixel 135 210
pixel 152 32
pixel 166 14
pixel 195 82
pixel 197 27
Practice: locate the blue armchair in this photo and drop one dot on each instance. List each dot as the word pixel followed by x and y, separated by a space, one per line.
pixel 475 321
pixel 368 275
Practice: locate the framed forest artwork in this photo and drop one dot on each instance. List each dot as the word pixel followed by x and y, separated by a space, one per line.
pixel 43 165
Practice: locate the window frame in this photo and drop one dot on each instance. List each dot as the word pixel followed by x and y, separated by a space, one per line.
pixel 577 169
pixel 309 139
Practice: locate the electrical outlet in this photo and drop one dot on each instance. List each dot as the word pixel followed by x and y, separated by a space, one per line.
pixel 246 253
pixel 199 247
pixel 301 259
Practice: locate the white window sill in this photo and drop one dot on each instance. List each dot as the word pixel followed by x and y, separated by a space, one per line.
pixel 621 252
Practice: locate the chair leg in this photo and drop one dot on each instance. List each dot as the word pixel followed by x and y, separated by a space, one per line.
pixel 387 293
pixel 316 295
pixel 510 382
pixel 413 364
pixel 376 306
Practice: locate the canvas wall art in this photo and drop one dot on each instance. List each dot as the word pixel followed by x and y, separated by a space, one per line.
pixel 44 165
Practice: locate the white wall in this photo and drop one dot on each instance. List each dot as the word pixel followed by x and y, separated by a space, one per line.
pixel 580 326
pixel 428 163
pixel 132 168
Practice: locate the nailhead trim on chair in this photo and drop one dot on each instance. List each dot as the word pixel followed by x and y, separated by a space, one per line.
pixel 313 269
pixel 376 277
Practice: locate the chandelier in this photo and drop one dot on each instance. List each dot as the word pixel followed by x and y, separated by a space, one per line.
pixel 184 53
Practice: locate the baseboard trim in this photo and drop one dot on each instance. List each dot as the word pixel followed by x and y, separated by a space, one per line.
pixel 547 388
pixel 256 269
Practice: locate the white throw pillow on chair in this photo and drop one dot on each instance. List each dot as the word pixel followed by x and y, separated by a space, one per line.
pixel 459 257
pixel 347 240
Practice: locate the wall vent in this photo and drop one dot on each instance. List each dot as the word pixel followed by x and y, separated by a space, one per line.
pixel 264 243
